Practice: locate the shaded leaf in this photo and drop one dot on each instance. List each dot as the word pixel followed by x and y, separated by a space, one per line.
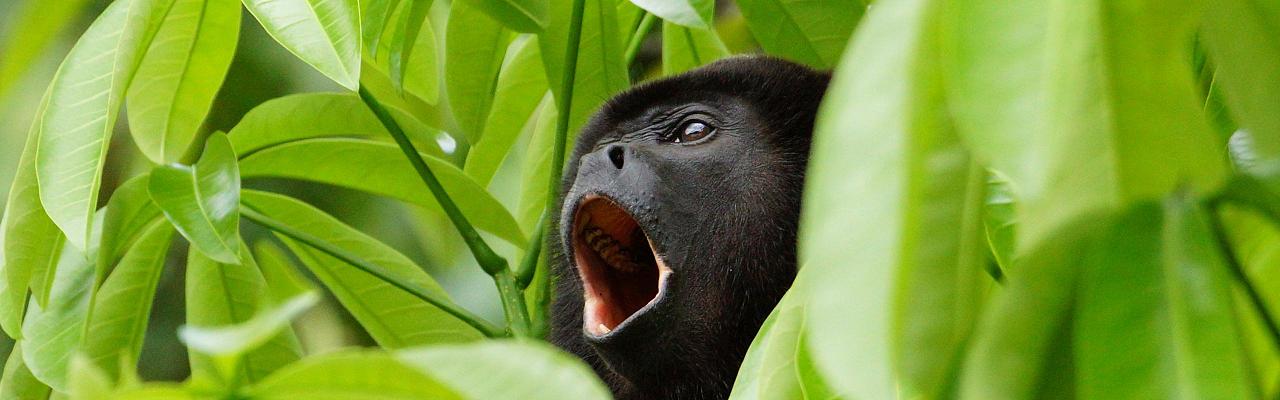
pixel 813 32
pixel 394 318
pixel 202 200
pixel 32 242
pixel 117 321
pixel 127 213
pixel 282 279
pixel 382 169
pixel 17 383
pixel 1239 35
pixel 528 16
pixel 684 48
pixel 83 102
pixel 376 14
pixel 323 33
pixel 412 19
pixel 601 70
pixel 475 46
pixel 521 87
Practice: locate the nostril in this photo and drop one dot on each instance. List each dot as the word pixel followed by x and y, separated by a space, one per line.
pixel 617 155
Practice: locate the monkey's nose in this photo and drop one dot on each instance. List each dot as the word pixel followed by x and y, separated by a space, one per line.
pixel 617 155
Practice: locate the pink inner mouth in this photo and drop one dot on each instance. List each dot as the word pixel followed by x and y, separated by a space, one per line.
pixel 621 271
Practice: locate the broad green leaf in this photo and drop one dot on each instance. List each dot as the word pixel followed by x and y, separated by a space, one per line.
pixel 29 31
pixel 381 168
pixel 323 33
pixel 684 48
pixel 1240 36
pixel 32 242
pixel 779 365
pixel 180 75
pixel 17 383
pixel 999 219
pixel 220 294
pixel 601 70
pixel 475 46
pixel 202 200
pixel 303 116
pixel 1154 315
pixel 51 334
pixel 521 86
pixel 1256 244
pixel 499 369
pixel 83 102
pixel 230 340
pixel 537 168
pixel 376 14
pixel 1084 105
pixel 394 318
pixel 810 32
pixel 422 75
pixel 688 13
pixel 369 375
pixel 87 381
pixel 281 276
pixel 918 264
pixel 413 17
pixel 127 213
pixel 117 321
pixel 1014 351
pixel 527 16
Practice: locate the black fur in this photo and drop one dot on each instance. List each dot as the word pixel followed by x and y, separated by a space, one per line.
pixel 722 213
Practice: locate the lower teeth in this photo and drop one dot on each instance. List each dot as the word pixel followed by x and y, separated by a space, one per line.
pixel 609 250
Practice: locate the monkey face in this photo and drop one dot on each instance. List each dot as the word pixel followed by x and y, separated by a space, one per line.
pixel 677 230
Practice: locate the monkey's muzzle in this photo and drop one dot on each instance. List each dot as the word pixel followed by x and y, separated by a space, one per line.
pixel 622 273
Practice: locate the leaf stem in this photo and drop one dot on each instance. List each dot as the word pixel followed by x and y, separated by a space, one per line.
pixel 366 266
pixel 637 38
pixel 490 262
pixel 529 265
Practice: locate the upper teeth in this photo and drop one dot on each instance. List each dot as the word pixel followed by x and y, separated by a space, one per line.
pixel 609 249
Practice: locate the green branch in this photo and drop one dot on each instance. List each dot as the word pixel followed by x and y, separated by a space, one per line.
pixel 529 265
pixel 366 266
pixel 492 264
pixel 637 38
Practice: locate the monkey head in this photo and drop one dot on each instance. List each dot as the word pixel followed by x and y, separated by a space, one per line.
pixel 677 229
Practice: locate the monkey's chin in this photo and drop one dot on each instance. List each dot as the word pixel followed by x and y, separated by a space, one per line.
pixel 623 276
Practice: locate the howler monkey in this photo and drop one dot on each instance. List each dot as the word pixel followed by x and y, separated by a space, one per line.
pixel 678 223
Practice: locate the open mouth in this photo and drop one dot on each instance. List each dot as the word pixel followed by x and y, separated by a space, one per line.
pixel 622 274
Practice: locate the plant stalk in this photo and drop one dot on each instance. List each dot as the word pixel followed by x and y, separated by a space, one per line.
pixel 373 269
pixel 637 38
pixel 489 261
pixel 529 265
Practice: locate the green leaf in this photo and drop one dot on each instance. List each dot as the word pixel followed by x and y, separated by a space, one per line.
pixel 51 334
pixel 918 265
pixel 84 100
pixel 999 219
pixel 537 168
pixel 404 42
pixel 394 318
pixel 382 169
pixel 231 340
pixel 281 276
pixel 178 79
pixel 202 200
pixel 779 365
pixel 1240 36
pixel 1014 349
pixel 528 16
pixel 371 375
pixel 376 14
pixel 220 294
pixel 504 369
pixel 601 70
pixel 806 31
pixel 1154 318
pixel 30 30
pixel 32 242
pixel 1085 106
pixel 688 13
pixel 323 33
pixel 422 75
pixel 475 46
pixel 117 321
pixel 17 383
pixel 521 87
pixel 303 116
pixel 684 48
pixel 87 381
pixel 127 213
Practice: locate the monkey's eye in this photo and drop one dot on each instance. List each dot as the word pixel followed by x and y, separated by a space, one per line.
pixel 691 131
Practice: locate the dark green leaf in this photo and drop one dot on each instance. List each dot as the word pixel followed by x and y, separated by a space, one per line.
pixel 202 200
pixel 475 46
pixel 684 48
pixel 601 70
